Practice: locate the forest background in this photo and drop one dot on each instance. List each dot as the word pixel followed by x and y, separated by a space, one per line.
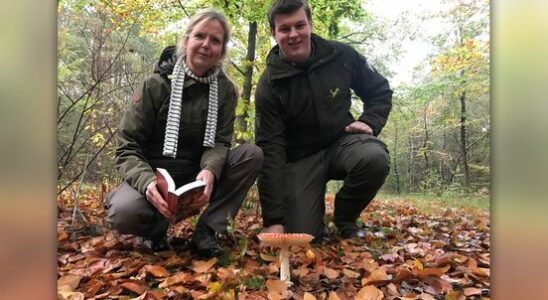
pixel 435 55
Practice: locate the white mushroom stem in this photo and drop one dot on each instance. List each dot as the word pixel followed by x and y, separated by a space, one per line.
pixel 285 274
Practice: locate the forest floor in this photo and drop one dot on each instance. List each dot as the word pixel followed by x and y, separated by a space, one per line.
pixel 415 249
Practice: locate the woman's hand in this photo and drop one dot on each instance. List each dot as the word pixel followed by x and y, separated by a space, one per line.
pixel 154 197
pixel 209 179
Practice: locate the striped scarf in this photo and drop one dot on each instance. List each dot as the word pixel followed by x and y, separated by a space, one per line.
pixel 174 114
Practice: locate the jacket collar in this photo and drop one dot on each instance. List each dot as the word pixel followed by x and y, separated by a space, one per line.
pixel 281 68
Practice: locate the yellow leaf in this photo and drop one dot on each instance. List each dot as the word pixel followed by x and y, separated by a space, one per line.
pixel 308 296
pixel 203 266
pixel 214 286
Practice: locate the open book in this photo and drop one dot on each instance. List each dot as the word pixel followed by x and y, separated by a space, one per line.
pixel 174 196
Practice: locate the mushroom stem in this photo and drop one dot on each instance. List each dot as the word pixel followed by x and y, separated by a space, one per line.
pixel 285 275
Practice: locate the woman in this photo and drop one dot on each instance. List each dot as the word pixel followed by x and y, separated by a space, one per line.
pixel 182 120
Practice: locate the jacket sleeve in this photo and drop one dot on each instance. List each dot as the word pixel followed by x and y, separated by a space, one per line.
pixel 133 136
pixel 374 91
pixel 270 137
pixel 214 158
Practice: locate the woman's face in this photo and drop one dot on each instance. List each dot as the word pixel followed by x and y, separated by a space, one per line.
pixel 204 46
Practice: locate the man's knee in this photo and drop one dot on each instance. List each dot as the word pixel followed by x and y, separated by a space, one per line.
pixel 374 161
pixel 253 155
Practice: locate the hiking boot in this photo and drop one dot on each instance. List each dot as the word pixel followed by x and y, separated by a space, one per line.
pixel 350 230
pixel 159 244
pixel 204 243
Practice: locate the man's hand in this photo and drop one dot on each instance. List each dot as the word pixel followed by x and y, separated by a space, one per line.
pixel 358 127
pixel 154 197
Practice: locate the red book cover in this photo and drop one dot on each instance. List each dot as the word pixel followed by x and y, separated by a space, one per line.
pixel 174 196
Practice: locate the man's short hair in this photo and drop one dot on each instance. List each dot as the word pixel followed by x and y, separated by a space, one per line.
pixel 287 7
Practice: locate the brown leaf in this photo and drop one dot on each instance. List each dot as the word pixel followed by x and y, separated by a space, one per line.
pixel 68 283
pixel 68 295
pixel 350 273
pixel 425 296
pixel 369 293
pixel 274 296
pixel 472 291
pixel 146 296
pixel 156 271
pixel 330 273
pixel 390 257
pixel 63 236
pixel 438 272
pixel 174 261
pixel 437 286
pixel 267 257
pixel 392 290
pixel 377 275
pixel 136 286
pixel 333 296
pixel 308 296
pixel 203 266
pixel 275 285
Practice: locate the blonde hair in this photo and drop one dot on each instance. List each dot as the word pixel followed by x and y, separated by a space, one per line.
pixel 204 15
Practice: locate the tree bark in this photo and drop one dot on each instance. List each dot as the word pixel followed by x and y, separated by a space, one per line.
pixel 248 79
pixel 464 149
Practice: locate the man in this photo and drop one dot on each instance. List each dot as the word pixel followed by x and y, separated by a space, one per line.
pixel 307 133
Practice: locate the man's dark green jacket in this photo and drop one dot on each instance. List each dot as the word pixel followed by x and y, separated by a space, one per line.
pixel 303 108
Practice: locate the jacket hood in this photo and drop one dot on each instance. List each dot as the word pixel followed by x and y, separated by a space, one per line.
pixel 168 58
pixel 279 67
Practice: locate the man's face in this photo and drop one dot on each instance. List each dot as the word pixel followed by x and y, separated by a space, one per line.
pixel 292 33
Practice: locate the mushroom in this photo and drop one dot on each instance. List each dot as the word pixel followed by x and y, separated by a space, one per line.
pixel 284 241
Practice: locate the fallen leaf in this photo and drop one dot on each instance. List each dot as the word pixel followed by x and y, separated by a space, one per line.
pixel 156 271
pixel 68 283
pixel 377 275
pixel 333 296
pixel 276 285
pixel 175 279
pixel 330 273
pixel 425 296
pixel 274 296
pixel 267 257
pixel 308 296
pixel 146 296
pixel 136 286
pixel 437 286
pixel 68 295
pixel 350 273
pixel 472 291
pixel 369 293
pixel 203 266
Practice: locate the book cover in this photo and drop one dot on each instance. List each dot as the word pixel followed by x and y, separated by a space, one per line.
pixel 174 196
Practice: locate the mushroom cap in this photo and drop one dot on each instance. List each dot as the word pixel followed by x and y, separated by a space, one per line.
pixel 285 239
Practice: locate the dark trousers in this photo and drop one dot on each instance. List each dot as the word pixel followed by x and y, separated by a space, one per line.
pixel 130 212
pixel 361 160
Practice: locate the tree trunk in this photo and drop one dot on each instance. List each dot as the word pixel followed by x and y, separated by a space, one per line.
pixel 248 80
pixel 463 139
pixel 395 162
